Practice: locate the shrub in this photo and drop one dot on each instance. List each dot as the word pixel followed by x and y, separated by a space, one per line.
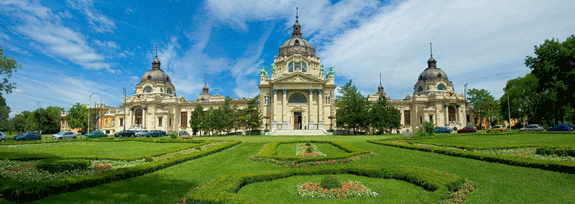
pixel 307 144
pixel 429 127
pixel 61 165
pixel 309 149
pixel 559 151
pixel 173 135
pixel 330 182
pixel 148 159
pixel 421 133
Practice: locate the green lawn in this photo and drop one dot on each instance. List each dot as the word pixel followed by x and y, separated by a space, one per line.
pixel 497 183
pixel 125 149
pixel 289 149
pixel 482 141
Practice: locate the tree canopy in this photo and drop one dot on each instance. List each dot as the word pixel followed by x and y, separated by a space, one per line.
pixel 352 112
pixel 7 67
pixel 484 104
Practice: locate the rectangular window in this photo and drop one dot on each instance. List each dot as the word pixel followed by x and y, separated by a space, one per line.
pixel 297 65
pixel 170 122
pixel 184 119
pixel 121 121
pixel 430 118
pixel 407 117
pixel 468 119
pixel 113 123
pixel 160 122
pixel 267 100
pixel 291 67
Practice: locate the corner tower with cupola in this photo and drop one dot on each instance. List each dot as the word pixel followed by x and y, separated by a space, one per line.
pixel 297 94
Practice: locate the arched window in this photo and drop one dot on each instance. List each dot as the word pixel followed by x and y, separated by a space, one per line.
pixel 147 89
pixel 303 67
pixel 297 98
pixel 291 67
pixel 420 89
pixel 441 87
pixel 169 91
pixel 296 42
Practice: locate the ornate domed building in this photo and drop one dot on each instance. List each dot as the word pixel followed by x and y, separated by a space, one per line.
pixel 297 94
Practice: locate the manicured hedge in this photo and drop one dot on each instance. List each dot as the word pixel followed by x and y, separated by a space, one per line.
pixel 551 165
pixel 26 192
pixel 103 139
pixel 61 165
pixel 559 151
pixel 225 189
pixel 271 151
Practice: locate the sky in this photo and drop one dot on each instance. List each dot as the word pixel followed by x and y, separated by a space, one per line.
pixel 71 49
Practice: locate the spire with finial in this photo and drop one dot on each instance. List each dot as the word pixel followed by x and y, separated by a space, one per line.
pixel 296 26
pixel 206 89
pixel 380 87
pixel 156 63
pixel 431 63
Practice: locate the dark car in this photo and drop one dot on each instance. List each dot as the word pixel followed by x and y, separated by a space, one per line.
pixel 156 133
pixel 443 129
pixel 561 127
pixel 28 136
pixel 96 134
pixel 467 130
pixel 183 133
pixel 125 133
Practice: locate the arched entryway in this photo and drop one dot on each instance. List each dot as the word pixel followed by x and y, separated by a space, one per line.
pixel 297 120
pixel 451 112
pixel 138 116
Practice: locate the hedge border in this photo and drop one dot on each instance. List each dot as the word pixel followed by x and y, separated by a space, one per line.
pixel 270 150
pixel 104 139
pixel 26 192
pixel 27 158
pixel 550 165
pixel 225 189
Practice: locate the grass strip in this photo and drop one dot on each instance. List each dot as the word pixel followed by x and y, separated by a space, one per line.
pixel 26 192
pixel 550 165
pixel 225 189
pixel 270 152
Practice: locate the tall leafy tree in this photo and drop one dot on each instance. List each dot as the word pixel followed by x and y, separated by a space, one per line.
pixel 78 117
pixel 554 66
pixel 524 100
pixel 7 67
pixel 5 124
pixel 384 116
pixel 197 119
pixel 19 123
pixel 353 108
pixel 252 118
pixel 484 104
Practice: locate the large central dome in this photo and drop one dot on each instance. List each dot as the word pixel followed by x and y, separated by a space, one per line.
pixel 296 44
pixel 156 74
pixel 432 73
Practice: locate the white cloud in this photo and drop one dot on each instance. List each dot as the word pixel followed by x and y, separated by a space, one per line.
pixel 129 11
pixel 65 14
pixel 99 22
pixel 52 38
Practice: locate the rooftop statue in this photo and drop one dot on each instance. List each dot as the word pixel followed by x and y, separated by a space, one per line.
pixel 321 68
pixel 264 71
pixel 273 68
pixel 330 72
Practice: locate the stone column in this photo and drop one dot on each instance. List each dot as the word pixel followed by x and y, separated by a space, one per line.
pixel 144 110
pixel 320 111
pixel 284 110
pixel 273 107
pixel 309 100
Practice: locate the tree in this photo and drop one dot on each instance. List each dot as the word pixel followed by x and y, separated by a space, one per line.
pixel 19 123
pixel 484 105
pixel 5 124
pixel 78 117
pixel 523 98
pixel 252 118
pixel 353 108
pixel 384 116
pixel 197 119
pixel 230 115
pixel 554 67
pixel 7 67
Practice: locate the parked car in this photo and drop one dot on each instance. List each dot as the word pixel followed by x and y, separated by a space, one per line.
pixel 64 135
pixel 443 129
pixel 125 133
pixel 142 133
pixel 498 128
pixel 156 133
pixel 561 127
pixel 467 130
pixel 532 127
pixel 2 137
pixel 96 134
pixel 28 136
pixel 183 133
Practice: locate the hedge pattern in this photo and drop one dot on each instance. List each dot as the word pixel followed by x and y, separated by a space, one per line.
pixel 269 154
pixel 26 192
pixel 225 189
pixel 551 165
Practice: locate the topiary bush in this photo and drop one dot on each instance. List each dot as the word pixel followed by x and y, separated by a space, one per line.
pixel 307 144
pixel 148 159
pixel 330 182
pixel 173 135
pixel 429 127
pixel 309 149
pixel 61 165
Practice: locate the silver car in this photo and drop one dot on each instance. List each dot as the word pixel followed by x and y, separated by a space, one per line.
pixel 142 133
pixel 532 127
pixel 64 135
pixel 2 137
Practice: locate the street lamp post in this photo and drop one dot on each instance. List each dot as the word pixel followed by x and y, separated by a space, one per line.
pixel 124 122
pixel 89 102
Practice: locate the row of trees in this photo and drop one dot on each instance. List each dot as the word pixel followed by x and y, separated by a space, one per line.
pixel 358 114
pixel 545 96
pixel 41 120
pixel 226 118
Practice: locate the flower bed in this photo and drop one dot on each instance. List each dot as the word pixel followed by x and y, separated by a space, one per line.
pixel 349 189
pixel 301 150
pixel 268 153
pixel 459 195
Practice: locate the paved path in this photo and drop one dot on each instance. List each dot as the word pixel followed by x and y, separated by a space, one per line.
pixel 298 132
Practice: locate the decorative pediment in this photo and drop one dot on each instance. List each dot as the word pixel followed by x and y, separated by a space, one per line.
pixel 297 78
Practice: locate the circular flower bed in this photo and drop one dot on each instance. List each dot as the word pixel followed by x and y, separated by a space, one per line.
pixel 349 189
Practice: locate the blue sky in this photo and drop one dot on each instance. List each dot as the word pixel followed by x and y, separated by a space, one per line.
pixel 70 49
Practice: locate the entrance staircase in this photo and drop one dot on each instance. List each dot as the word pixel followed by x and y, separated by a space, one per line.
pixel 298 132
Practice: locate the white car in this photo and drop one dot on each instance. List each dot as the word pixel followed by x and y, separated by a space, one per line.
pixel 2 137
pixel 64 135
pixel 142 133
